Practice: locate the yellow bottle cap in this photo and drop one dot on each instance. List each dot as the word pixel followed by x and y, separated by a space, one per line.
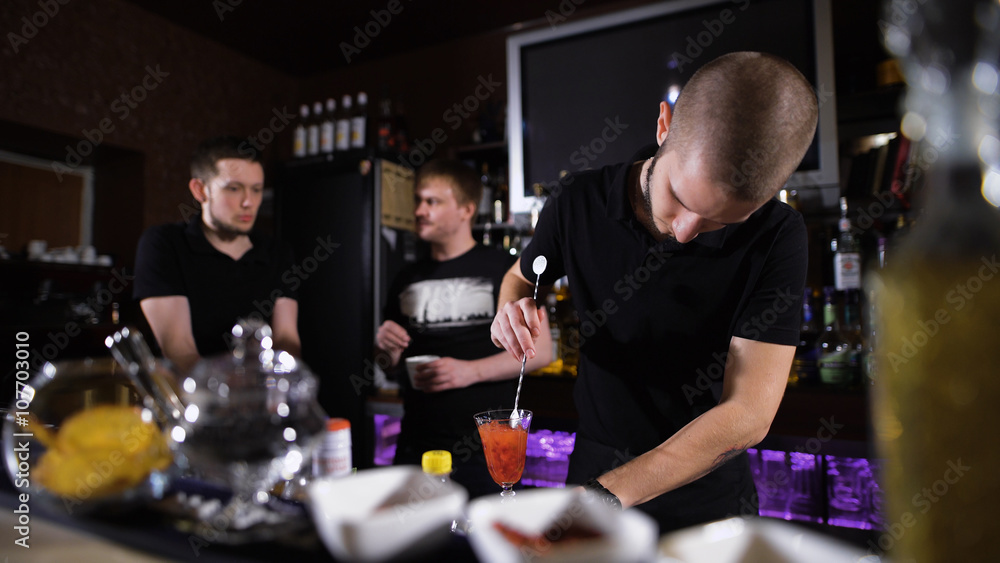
pixel 436 461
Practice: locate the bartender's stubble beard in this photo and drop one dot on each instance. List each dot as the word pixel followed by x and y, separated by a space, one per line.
pixel 646 201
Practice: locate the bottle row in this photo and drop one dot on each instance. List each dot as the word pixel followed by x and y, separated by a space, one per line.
pixel 332 127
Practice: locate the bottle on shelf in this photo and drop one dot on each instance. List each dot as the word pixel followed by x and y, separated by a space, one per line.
pixel 333 455
pixel 343 134
pixel 556 366
pixel 537 205
pixel 359 123
pixel 853 328
pixel 327 129
pixel 386 134
pixel 500 201
pixel 837 359
pixel 487 233
pixel 299 148
pixel 805 371
pixel 846 254
pixel 569 328
pixel 486 201
pixel 400 130
pixel 869 365
pixel 312 147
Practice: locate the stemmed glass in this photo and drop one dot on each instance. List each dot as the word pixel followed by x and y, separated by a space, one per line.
pixel 505 443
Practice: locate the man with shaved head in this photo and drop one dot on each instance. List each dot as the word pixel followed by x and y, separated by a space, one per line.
pixel 686 273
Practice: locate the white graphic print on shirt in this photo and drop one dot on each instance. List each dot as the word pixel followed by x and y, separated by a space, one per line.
pixel 450 302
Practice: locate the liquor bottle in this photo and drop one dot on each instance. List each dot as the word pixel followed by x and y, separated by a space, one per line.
pixel 805 371
pixel 312 146
pixel 935 400
pixel 854 331
pixel 327 129
pixel 299 147
pixel 500 202
pixel 837 359
pixel 343 135
pixel 555 366
pixel 846 255
pixel 536 206
pixel 485 208
pixel 400 130
pixel 359 123
pixel 386 138
pixel 869 365
pixel 569 328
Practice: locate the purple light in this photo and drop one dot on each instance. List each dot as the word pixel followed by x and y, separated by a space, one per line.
pixel 851 489
pixel 386 432
pixel 547 461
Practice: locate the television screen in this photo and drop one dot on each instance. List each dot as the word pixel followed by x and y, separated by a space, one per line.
pixel 587 94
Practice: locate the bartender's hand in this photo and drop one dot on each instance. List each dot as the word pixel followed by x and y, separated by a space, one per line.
pixel 516 327
pixel 443 374
pixel 392 339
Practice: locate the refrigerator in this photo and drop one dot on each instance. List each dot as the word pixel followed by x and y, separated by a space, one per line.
pixel 346 221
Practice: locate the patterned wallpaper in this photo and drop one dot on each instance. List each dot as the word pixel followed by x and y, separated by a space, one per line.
pixel 108 74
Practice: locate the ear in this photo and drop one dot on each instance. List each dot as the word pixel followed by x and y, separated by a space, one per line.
pixel 663 123
pixel 198 189
pixel 469 211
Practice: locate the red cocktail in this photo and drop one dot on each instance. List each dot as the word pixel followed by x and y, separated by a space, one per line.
pixel 505 441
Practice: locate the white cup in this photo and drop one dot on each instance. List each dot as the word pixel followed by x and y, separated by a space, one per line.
pixel 413 361
pixel 36 249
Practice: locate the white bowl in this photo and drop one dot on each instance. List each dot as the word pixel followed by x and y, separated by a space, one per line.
pixel 625 536
pixel 735 540
pixel 378 513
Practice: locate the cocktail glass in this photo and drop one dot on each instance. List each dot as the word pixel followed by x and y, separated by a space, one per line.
pixel 505 442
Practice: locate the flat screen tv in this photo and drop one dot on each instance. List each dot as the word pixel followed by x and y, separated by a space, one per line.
pixel 584 94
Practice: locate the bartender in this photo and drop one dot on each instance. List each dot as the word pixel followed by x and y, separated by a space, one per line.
pixel 686 274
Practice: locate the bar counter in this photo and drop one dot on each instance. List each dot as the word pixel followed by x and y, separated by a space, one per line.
pixel 144 535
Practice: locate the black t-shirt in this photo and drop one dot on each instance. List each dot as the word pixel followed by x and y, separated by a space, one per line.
pixel 657 318
pixel 447 308
pixel 177 259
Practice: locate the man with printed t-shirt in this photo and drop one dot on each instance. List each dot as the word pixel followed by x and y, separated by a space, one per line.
pixel 443 305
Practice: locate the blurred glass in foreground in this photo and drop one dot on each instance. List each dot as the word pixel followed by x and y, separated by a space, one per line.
pixel 937 392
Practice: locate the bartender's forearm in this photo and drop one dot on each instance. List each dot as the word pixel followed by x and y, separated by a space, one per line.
pixel 514 286
pixel 691 453
pixel 502 366
pixel 754 384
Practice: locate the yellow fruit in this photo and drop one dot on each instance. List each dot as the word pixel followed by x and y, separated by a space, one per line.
pixel 101 451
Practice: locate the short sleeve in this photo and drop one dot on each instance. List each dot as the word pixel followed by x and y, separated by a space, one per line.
pixel 773 310
pixel 157 269
pixel 284 264
pixel 547 242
